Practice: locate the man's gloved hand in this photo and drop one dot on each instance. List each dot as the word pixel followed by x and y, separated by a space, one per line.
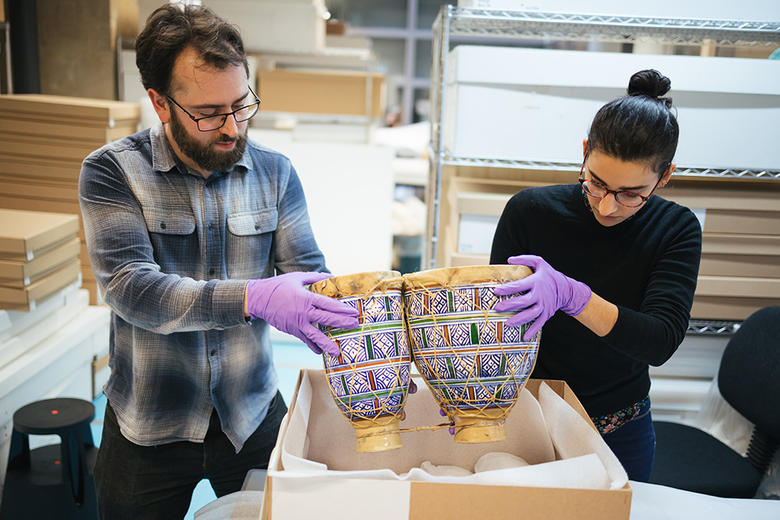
pixel 286 304
pixel 540 295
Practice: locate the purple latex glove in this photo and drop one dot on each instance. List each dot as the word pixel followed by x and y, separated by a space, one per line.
pixel 286 304
pixel 451 428
pixel 539 295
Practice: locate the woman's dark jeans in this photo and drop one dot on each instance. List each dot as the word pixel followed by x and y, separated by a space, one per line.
pixel 634 445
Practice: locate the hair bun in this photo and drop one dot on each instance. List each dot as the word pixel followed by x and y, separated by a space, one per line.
pixel 650 83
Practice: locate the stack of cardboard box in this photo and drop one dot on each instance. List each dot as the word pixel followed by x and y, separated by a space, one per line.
pixel 39 255
pixel 43 140
pixel 740 262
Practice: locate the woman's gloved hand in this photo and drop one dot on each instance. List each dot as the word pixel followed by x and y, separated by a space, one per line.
pixel 540 295
pixel 287 305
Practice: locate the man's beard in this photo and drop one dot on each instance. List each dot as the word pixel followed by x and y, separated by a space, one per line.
pixel 202 154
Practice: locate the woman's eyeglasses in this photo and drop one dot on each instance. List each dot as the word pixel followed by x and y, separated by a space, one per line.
pixel 630 199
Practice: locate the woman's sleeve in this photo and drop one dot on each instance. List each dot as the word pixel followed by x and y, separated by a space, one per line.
pixel 653 333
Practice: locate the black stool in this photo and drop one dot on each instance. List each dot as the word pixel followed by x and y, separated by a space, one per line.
pixel 54 481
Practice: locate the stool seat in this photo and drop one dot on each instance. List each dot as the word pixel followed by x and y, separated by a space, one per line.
pixel 53 416
pixel 54 481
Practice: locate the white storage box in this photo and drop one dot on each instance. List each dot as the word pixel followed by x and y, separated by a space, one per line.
pixel 275 25
pixel 758 10
pixel 515 103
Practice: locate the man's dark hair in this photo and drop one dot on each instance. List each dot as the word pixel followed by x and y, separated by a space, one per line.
pixel 171 28
pixel 639 126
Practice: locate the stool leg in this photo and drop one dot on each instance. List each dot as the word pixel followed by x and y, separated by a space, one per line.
pixel 74 464
pixel 19 453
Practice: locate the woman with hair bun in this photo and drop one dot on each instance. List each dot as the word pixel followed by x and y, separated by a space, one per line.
pixel 619 263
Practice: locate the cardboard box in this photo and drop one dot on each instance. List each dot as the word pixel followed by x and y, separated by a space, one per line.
pixel 739 221
pixel 18 273
pixel 354 496
pixel 95 136
pixel 463 259
pixel 40 205
pixel 38 189
pixel 758 195
pixel 728 307
pixel 738 286
pixel 754 266
pixel 347 93
pixel 740 244
pixel 49 147
pixel 106 112
pixel 28 232
pixel 23 298
pixel 14 165
pixel 516 103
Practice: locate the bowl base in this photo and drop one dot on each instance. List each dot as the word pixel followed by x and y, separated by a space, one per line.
pixel 372 436
pixel 487 427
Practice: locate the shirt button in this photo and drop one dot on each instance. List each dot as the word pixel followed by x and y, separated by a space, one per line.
pixel 211 226
pixel 213 353
pixel 257 227
pixel 212 271
pixel 162 225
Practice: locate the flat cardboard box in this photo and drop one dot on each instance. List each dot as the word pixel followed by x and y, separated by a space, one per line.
pixel 11 124
pixel 739 221
pixel 740 244
pixel 754 266
pixel 48 147
pixel 39 189
pixel 40 205
pixel 347 93
pixel 759 195
pixel 738 286
pixel 106 111
pixel 417 500
pixel 20 166
pixel 25 232
pixel 463 259
pixel 19 273
pixel 22 298
pixel 727 307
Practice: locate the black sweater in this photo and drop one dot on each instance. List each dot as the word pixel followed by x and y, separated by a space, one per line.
pixel 646 265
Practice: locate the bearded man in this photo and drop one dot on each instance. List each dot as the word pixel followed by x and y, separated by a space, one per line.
pixel 199 239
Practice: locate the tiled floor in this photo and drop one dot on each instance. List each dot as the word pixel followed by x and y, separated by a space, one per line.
pixel 290 357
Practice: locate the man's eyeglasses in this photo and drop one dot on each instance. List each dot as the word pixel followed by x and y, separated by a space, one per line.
pixel 217 121
pixel 630 199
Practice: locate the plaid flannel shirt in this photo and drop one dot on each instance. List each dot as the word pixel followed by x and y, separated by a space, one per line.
pixel 172 253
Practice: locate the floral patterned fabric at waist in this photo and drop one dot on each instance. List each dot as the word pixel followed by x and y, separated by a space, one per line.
pixel 612 421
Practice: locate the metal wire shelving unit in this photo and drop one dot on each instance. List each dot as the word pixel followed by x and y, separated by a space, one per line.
pixel 503 24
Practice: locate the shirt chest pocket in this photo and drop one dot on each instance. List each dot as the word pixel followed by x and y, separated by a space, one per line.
pixel 173 237
pixel 249 243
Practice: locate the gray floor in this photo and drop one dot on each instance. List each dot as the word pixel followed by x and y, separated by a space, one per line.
pixel 290 357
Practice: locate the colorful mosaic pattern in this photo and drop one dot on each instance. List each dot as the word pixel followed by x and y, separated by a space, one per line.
pixel 463 348
pixel 370 377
